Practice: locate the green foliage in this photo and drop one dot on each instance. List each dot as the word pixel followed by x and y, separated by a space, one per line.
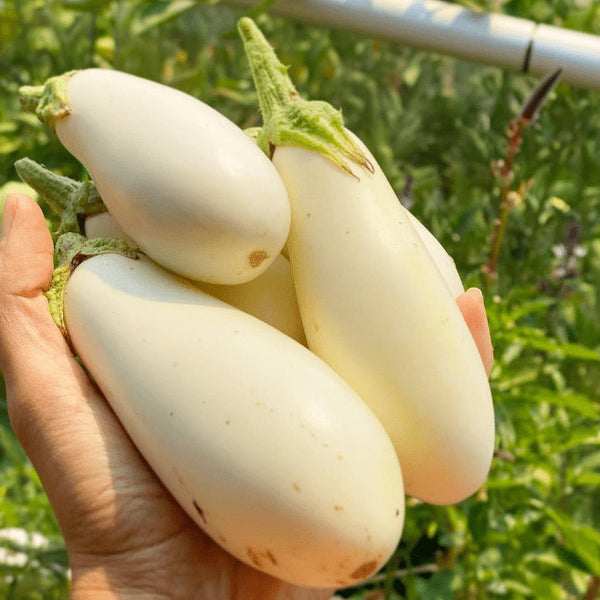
pixel 437 126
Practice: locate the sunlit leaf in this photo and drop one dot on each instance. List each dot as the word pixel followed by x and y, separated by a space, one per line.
pixel 155 14
pixel 587 407
pixel 583 541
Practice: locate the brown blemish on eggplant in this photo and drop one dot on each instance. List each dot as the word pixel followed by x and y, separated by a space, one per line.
pixel 257 257
pixel 397 512
pixel 364 570
pixel 296 487
pixel 200 512
pixel 338 507
pixel 258 558
pixel 254 557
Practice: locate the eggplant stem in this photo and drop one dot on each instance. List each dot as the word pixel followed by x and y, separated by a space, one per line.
pixel 289 119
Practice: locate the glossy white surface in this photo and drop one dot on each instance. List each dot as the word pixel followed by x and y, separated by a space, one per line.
pixel 376 308
pixel 186 185
pixel 268 450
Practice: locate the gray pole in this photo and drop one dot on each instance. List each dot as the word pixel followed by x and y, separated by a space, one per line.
pixel 437 26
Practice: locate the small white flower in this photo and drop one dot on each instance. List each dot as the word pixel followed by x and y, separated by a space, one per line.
pixel 23 538
pixel 9 558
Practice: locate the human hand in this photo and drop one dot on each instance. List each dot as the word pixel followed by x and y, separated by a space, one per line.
pixel 125 535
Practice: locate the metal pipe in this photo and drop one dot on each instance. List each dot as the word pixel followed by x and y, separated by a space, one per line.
pixel 437 26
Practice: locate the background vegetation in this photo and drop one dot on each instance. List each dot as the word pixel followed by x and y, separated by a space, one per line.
pixel 438 127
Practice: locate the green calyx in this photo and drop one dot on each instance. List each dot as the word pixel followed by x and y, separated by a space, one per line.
pixel 70 199
pixel 48 101
pixel 288 119
pixel 55 296
pixel 71 250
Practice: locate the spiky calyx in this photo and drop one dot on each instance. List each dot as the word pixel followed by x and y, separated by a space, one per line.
pixel 48 101
pixel 288 119
pixel 70 199
pixel 71 250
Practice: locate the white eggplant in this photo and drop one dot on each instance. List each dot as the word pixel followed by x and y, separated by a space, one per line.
pixel 270 297
pixel 103 225
pixel 268 450
pixel 187 185
pixel 374 304
pixel 444 262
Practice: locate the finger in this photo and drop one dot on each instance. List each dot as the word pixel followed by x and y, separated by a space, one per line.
pixel 26 264
pixel 472 308
pixel 34 358
pixel 27 247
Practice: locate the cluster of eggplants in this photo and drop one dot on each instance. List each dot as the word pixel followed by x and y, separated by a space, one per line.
pixel 295 459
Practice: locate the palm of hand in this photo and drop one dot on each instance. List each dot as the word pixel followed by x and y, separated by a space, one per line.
pixel 125 534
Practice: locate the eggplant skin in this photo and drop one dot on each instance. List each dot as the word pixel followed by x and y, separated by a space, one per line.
pixel 185 183
pixel 268 450
pixel 377 299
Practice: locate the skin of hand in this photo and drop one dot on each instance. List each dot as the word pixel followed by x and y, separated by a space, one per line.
pixel 126 536
pixel 472 308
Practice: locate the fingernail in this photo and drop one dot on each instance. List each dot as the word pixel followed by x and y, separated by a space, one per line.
pixel 477 292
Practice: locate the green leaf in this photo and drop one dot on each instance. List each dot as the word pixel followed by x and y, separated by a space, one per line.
pixel 583 541
pixel 506 383
pixel 94 6
pixel 580 403
pixel 158 13
pixel 539 340
pixel 437 587
pixel 571 559
pixel 528 308
pixel 586 479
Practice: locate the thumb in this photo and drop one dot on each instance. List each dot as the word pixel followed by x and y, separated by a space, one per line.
pixel 28 336
pixel 26 264
pixel 26 252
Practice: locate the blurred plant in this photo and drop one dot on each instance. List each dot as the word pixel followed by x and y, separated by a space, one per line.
pixel 504 169
pixel 435 125
pixel 482 5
